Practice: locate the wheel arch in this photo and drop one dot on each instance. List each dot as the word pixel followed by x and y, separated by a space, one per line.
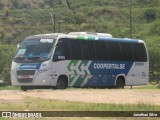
pixel 122 76
pixel 65 78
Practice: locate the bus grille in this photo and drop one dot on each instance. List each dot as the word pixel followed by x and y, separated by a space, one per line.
pixel 25 72
pixel 25 80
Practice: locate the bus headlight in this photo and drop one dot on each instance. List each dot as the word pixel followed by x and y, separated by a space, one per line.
pixel 43 70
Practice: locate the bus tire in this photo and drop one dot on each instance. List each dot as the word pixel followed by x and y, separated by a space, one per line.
pixel 24 88
pixel 120 83
pixel 61 83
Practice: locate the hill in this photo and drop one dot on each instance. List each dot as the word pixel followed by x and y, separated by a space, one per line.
pixel 20 18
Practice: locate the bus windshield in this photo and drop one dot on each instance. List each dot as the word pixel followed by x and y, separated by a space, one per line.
pixel 35 50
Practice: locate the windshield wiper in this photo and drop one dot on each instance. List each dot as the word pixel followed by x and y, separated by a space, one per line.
pixel 29 59
pixel 20 58
pixel 36 57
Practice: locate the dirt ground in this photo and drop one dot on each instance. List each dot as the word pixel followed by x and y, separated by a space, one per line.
pixel 118 96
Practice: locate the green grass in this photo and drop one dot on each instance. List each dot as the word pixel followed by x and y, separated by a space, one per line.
pixel 148 87
pixel 55 105
pixel 8 87
pixel 145 87
pixel 39 104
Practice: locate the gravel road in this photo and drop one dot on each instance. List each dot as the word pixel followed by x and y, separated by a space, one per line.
pixel 117 96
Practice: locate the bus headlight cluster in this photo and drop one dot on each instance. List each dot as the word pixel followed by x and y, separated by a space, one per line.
pixel 43 70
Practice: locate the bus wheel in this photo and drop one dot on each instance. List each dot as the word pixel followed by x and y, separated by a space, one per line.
pixel 120 83
pixel 24 88
pixel 61 83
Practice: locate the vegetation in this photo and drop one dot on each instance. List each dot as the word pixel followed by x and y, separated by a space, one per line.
pixel 8 87
pixel 32 104
pixel 148 87
pixel 21 18
pixel 6 55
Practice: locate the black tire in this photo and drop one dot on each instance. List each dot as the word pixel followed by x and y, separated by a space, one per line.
pixel 61 83
pixel 120 83
pixel 24 88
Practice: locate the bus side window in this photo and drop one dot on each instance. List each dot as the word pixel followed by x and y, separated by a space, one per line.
pixel 67 48
pixel 114 51
pixel 101 50
pixel 87 49
pixel 139 52
pixel 76 50
pixel 127 53
pixel 59 53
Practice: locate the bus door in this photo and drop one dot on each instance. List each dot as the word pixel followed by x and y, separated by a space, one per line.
pixel 59 62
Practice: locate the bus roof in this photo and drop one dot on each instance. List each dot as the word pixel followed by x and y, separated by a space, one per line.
pixel 84 37
pixel 99 36
pixel 107 35
pixel 45 35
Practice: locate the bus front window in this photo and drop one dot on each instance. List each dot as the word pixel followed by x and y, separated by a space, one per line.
pixel 36 50
pixel 59 52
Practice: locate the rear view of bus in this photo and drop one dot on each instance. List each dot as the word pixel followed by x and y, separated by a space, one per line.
pixel 79 59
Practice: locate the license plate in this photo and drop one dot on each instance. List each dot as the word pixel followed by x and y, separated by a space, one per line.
pixel 25 76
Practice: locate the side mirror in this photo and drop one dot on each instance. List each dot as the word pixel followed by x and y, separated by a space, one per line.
pixel 58 58
pixel 18 45
pixel 61 57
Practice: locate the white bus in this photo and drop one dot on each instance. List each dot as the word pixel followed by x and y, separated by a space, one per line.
pixel 79 60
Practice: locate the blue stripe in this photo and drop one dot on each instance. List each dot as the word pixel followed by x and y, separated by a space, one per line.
pixel 100 81
pixel 33 66
pixel 108 70
pixel 109 67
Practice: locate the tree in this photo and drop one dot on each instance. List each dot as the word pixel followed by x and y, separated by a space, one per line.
pixel 154 54
pixel 6 11
pixel 6 55
pixel 150 15
pixel 155 28
pixel 15 3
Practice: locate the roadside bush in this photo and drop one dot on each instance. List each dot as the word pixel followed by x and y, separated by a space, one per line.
pixel 6 54
pixel 154 53
pixel 155 29
pixel 150 15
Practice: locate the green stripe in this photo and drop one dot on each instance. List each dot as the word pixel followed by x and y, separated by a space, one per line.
pixel 74 62
pixel 91 38
pixel 79 81
pixel 80 37
pixel 71 78
pixel 83 62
